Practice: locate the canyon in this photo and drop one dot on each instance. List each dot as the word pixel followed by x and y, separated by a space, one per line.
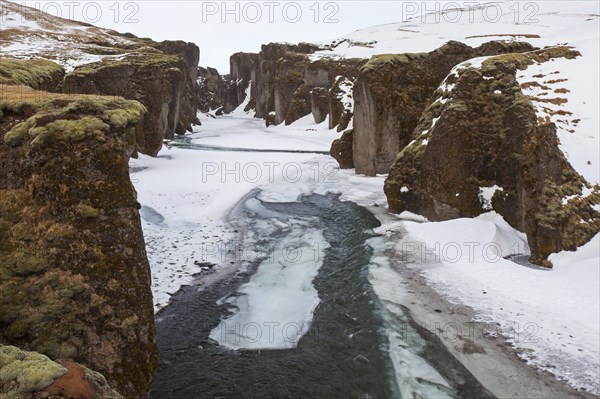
pixel 97 132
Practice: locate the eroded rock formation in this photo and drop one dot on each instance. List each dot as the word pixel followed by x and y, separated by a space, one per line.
pixel 74 275
pixel 287 85
pixel 341 150
pixel 163 77
pixel 242 71
pixel 213 89
pixel 391 92
pixel 480 131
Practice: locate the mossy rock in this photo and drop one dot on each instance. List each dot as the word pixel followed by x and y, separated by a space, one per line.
pixel 37 74
pixel 31 371
pixel 486 133
pixel 63 118
pixel 70 234
pixel 140 60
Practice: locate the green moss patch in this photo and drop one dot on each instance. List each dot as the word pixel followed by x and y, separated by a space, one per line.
pixel 66 118
pixel 523 60
pixel 141 58
pixel 33 73
pixel 30 370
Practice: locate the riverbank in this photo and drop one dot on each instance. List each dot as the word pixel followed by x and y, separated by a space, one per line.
pixel 486 348
pixel 189 191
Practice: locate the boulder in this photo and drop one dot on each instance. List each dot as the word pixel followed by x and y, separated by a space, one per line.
pixel 341 150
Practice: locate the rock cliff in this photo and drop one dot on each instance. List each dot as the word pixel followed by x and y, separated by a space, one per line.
pixel 287 85
pixel 481 133
pixel 74 275
pixel 391 92
pixel 242 70
pixel 163 77
pixel 38 74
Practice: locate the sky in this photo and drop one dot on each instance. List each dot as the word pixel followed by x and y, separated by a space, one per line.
pixel 222 28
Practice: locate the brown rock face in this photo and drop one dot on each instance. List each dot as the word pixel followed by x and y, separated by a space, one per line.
pixel 164 80
pixel 319 99
pixel 287 85
pixel 268 79
pixel 483 133
pixel 241 72
pixel 212 89
pixel 392 91
pixel 341 150
pixel 74 275
pixel 188 98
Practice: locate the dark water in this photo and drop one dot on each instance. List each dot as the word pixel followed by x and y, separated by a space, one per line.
pixel 188 144
pixel 343 355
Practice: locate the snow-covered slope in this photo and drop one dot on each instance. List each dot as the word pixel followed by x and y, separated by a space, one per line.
pixel 541 24
pixel 29 33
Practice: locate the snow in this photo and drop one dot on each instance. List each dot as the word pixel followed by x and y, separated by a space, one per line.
pixel 553 21
pixel 578 130
pixel 187 195
pixel 486 194
pixel 274 309
pixel 552 316
pixel 193 204
pixel 68 43
pixel 414 376
pixel 346 98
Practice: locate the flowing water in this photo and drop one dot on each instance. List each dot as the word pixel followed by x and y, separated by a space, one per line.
pixel 343 352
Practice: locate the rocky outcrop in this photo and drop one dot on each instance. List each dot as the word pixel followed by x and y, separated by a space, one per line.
pixel 213 89
pixel 480 133
pixel 267 76
pixel 341 150
pixel 391 92
pixel 30 375
pixel 285 77
pixel 188 98
pixel 74 275
pixel 287 85
pixel 319 100
pixel 341 102
pixel 38 74
pixel 242 70
pixel 163 78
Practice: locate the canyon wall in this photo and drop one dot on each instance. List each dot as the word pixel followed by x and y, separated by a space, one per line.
pixel 480 133
pixel 163 77
pixel 74 275
pixel 287 85
pixel 391 92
